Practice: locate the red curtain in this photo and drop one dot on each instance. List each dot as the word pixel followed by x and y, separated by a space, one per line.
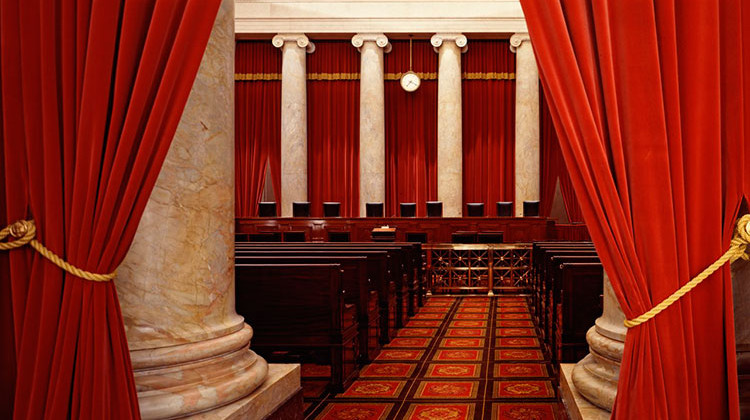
pixel 649 99
pixel 489 104
pixel 410 128
pixel 333 127
pixel 552 168
pixel 257 123
pixel 92 92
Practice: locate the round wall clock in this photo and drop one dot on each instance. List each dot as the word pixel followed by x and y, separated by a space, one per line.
pixel 410 81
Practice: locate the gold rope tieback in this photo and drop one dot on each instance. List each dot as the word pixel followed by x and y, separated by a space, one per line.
pixel 737 249
pixel 24 231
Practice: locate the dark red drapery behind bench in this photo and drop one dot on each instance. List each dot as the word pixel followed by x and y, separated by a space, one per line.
pixel 650 103
pixel 488 103
pixel 333 126
pixel 257 122
pixel 410 128
pixel 92 92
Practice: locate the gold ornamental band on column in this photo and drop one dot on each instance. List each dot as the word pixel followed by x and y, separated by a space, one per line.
pixel 24 232
pixel 738 249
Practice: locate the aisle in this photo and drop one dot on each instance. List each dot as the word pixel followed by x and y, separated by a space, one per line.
pixel 458 358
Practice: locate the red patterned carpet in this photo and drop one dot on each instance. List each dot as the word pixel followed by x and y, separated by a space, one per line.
pixel 458 359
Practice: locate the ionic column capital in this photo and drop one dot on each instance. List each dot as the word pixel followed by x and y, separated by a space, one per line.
pixel 301 40
pixel 460 39
pixel 380 40
pixel 517 39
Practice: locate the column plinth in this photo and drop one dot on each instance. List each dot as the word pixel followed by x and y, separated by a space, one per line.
pixel 371 118
pixel 527 122
pixel 449 129
pixel 293 118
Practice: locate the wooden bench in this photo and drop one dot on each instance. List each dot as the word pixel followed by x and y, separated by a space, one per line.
pixel 358 292
pixel 298 313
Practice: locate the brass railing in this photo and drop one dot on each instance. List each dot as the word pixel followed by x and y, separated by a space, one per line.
pixel 478 268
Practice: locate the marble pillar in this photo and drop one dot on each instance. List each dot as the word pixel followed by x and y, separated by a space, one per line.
pixel 189 348
pixel 594 378
pixel 294 48
pixel 371 118
pixel 449 130
pixel 527 121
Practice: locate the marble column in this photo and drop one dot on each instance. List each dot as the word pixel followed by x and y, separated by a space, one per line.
pixel 189 348
pixel 450 158
pixel 294 48
pixel 371 118
pixel 590 387
pixel 527 121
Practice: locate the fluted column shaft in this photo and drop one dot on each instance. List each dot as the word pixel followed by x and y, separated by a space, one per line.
pixel 189 348
pixel 293 118
pixel 449 130
pixel 527 122
pixel 371 118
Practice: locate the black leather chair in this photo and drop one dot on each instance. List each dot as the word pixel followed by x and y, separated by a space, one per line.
pixel 301 209
pixel 408 209
pixel 490 237
pixel 434 209
pixel 420 237
pixel 267 209
pixel 331 209
pixel 475 209
pixel 504 208
pixel 374 209
pixel 530 209
pixel 464 237
pixel 294 236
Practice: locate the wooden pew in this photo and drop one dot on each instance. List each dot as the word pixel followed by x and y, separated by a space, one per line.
pixel 404 268
pixel 300 311
pixel 577 306
pixel 377 273
pixel 358 292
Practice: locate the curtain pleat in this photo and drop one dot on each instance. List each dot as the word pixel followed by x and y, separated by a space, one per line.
pixel 92 93
pixel 257 124
pixel 488 107
pixel 333 128
pixel 411 129
pixel 649 102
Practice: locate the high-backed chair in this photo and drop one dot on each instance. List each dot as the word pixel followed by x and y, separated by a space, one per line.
pixel 530 209
pixel 434 209
pixel 475 209
pixel 331 209
pixel 267 209
pixel 490 237
pixel 301 209
pixel 504 208
pixel 374 209
pixel 408 209
pixel 464 237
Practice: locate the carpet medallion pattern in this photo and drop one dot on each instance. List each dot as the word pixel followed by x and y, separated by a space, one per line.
pixel 458 358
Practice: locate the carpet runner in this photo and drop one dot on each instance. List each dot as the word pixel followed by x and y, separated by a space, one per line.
pixel 459 358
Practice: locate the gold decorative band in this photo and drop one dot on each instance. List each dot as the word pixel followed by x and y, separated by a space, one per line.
pixel 24 231
pixel 253 77
pixel 738 249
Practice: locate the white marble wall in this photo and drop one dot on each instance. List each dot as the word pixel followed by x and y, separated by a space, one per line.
pixel 293 118
pixel 527 121
pixel 371 118
pixel 449 130
pixel 189 348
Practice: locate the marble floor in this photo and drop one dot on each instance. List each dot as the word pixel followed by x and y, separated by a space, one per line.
pixel 458 358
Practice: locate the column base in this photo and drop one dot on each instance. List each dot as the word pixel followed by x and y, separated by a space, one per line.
pixel 578 408
pixel 278 397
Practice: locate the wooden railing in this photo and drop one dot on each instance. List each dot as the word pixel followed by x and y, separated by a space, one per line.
pixel 478 268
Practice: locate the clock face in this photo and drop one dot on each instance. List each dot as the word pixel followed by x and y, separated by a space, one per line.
pixel 410 81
